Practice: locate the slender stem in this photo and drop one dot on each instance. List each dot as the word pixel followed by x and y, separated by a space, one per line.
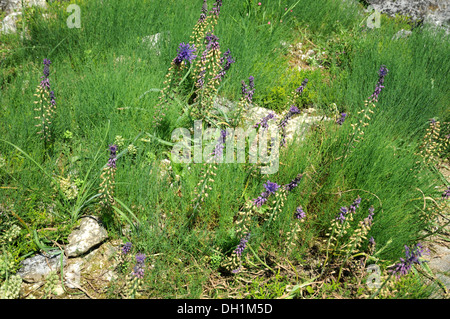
pixel 259 259
pixel 379 289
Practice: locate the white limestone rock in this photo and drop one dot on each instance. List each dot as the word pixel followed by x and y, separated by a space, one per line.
pixel 36 268
pixel 89 233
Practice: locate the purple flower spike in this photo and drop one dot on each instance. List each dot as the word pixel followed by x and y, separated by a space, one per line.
pixel 212 41
pixel 341 120
pixel 355 204
pixel 220 145
pixel 185 53
pixel 299 213
pixel 369 219
pixel 46 68
pixel 242 245
pixel 270 187
pixel 381 73
pixel 126 248
pixel 263 122
pixel 446 194
pixel 248 91
pixel 226 60
pixel 341 217
pixel 413 256
pixel 138 270
pixel 140 258
pixel 112 157
pixel 302 87
pixel 294 109
pixel 294 183
pixel 259 201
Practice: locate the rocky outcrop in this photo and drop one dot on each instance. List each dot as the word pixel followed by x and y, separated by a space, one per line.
pixel 435 12
pixel 10 6
pixel 86 253
pixel 14 9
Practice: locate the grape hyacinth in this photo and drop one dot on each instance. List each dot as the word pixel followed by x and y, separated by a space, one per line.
pixel 112 156
pixel 294 183
pixel 46 67
pixel 369 219
pixel 342 212
pixel 381 74
pixel 212 41
pixel 263 122
pixel 341 120
pixel 185 53
pixel 355 204
pixel 208 72
pixel 358 128
pixel 300 89
pixel 283 123
pixel 236 258
pixel 292 234
pixel 108 183
pixel 412 256
pixel 446 194
pixel 271 188
pixel 204 12
pixel 220 145
pixel 126 248
pixel 226 60
pixel 46 102
pixel 299 213
pixel 138 270
pixel 216 9
pixel 248 90
pixel 242 245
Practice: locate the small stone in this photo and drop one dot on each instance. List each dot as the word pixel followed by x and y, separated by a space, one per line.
pixel 36 268
pixel 89 234
pixel 58 290
pixel 72 273
pixel 9 23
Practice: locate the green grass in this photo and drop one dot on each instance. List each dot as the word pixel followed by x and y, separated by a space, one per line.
pixel 106 84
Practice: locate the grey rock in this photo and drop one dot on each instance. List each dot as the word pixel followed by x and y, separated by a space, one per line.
pixel 440 262
pixel 72 273
pixel 99 263
pixel 89 234
pixel 432 12
pixel 16 5
pixel 9 23
pixel 13 9
pixel 36 268
pixel 297 126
